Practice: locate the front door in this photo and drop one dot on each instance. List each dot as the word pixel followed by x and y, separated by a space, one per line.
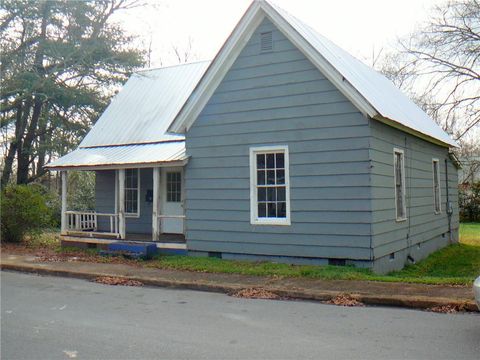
pixel 172 204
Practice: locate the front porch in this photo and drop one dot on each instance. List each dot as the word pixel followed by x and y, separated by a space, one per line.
pixel 132 204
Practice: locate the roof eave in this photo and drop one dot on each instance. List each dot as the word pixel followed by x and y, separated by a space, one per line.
pixel 411 131
pixel 117 166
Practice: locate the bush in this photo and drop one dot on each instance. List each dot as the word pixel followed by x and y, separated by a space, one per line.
pixel 24 210
pixel 469 203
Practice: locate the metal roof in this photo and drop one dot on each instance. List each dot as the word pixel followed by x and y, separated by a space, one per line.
pixel 381 93
pixel 112 156
pixel 370 91
pixel 132 130
pixel 143 110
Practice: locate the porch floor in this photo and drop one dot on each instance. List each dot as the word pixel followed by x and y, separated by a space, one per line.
pixel 164 238
pixel 169 244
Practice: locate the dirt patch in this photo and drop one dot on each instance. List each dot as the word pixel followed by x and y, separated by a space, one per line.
pixel 255 293
pixel 111 280
pixel 344 300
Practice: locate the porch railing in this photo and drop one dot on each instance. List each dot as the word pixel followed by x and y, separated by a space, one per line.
pixel 87 221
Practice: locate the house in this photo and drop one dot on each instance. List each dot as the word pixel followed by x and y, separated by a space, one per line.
pixel 283 148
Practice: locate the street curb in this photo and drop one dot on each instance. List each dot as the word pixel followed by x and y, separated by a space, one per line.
pixel 415 302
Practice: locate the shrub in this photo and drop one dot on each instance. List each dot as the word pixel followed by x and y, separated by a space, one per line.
pixel 24 209
pixel 469 202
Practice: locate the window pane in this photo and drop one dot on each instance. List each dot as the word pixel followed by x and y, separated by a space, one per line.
pixel 271 194
pixel 262 210
pixel 282 209
pixel 134 179
pixel 261 177
pixel 272 210
pixel 174 187
pixel 270 161
pixel 280 160
pixel 271 188
pixel 260 161
pixel 271 177
pixel 280 177
pixel 262 194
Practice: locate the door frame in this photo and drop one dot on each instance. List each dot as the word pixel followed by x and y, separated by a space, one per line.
pixel 163 191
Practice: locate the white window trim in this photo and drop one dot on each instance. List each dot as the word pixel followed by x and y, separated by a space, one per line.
pixel 398 218
pixel 435 160
pixel 137 214
pixel 254 220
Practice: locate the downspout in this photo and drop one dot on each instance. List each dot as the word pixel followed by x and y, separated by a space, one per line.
pixel 449 205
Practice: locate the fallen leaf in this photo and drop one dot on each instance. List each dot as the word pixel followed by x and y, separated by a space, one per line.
pixel 344 300
pixel 111 280
pixel 255 293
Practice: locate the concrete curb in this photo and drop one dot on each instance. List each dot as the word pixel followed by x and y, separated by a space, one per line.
pixel 415 302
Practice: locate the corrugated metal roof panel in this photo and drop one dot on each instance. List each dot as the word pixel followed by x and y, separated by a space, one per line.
pixel 381 93
pixel 122 155
pixel 145 107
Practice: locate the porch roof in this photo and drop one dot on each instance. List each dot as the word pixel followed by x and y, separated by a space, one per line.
pixel 123 156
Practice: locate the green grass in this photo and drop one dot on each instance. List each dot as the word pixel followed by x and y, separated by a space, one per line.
pixel 470 234
pixel 455 264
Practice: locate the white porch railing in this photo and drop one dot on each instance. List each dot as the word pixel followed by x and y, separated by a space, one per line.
pixel 87 222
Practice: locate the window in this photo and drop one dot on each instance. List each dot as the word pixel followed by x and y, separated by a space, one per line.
pixel 174 186
pixel 132 192
pixel 399 176
pixel 269 186
pixel 266 41
pixel 436 187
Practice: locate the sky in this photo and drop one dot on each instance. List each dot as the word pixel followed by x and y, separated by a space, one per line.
pixel 362 28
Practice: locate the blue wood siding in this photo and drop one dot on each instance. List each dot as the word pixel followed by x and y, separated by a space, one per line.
pixel 422 224
pixel 105 201
pixel 279 98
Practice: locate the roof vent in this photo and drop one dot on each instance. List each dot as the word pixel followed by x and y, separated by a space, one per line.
pixel 266 41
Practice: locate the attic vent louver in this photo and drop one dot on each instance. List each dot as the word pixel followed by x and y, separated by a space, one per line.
pixel 266 41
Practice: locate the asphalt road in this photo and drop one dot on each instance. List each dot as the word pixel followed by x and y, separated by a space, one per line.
pixel 60 318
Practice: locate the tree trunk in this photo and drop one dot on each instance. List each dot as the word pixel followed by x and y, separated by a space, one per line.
pixel 23 156
pixel 25 153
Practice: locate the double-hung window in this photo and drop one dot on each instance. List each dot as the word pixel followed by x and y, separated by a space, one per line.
pixel 436 187
pixel 399 177
pixel 132 192
pixel 269 186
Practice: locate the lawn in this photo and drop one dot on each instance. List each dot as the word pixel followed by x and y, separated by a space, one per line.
pixel 455 264
pixel 470 234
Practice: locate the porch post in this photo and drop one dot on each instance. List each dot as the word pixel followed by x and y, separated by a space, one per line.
pixel 156 193
pixel 64 203
pixel 121 203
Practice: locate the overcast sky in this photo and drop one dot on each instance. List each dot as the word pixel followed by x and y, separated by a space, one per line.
pixel 360 27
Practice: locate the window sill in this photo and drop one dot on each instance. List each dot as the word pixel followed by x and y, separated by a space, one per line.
pixel 134 216
pixel 271 222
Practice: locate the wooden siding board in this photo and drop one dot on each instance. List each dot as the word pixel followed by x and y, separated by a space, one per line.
pixel 279 98
pixel 105 201
pixel 422 223
pixel 284 249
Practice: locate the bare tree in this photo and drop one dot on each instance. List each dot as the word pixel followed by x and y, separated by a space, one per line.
pixel 184 54
pixel 439 66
